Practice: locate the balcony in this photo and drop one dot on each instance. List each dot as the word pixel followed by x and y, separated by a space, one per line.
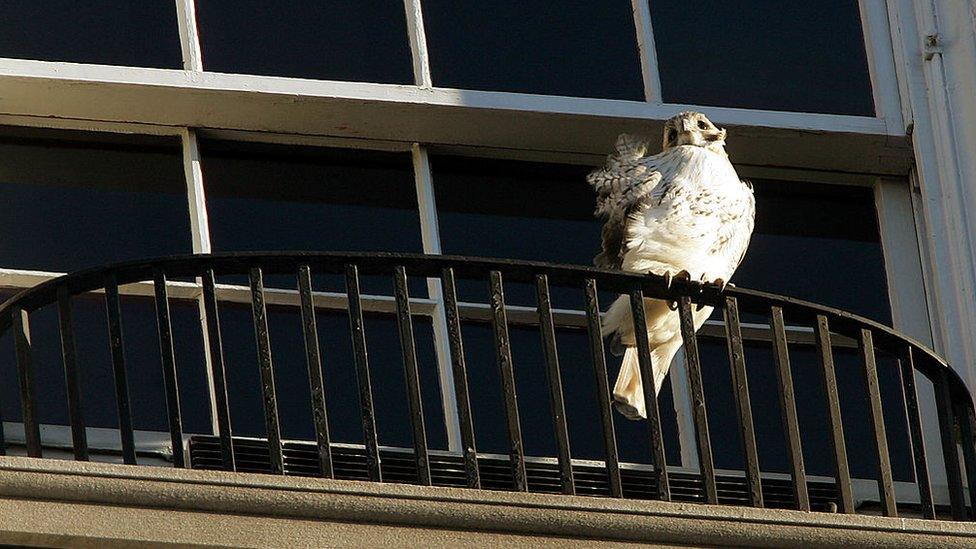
pixel 563 299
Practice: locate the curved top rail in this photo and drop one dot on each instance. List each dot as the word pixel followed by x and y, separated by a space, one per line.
pixel 655 286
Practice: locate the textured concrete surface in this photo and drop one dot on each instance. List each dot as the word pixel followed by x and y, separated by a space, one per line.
pixel 51 502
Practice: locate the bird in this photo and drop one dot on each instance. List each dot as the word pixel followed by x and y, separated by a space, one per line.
pixel 681 213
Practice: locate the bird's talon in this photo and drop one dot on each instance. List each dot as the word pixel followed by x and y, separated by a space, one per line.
pixel 673 305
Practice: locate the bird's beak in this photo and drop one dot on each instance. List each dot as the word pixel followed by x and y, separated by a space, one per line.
pixel 718 135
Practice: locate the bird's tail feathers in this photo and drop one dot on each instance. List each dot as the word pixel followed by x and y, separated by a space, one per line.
pixel 628 393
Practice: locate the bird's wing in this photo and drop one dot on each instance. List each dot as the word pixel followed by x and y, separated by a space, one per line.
pixel 628 179
pixel 698 220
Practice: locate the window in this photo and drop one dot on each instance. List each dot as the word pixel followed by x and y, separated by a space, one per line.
pixel 363 41
pixel 108 32
pixel 796 56
pixel 72 200
pixel 297 164
pixel 578 48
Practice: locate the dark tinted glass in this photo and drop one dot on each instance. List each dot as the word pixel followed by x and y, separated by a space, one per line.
pixel 67 204
pixel 819 243
pixel 107 32
pixel 145 379
pixel 811 410
pixel 577 48
pixel 363 41
pixel 763 54
pixel 272 197
pixel 339 372
pixel 515 210
pixel 532 389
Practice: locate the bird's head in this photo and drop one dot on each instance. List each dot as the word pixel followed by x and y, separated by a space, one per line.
pixel 693 128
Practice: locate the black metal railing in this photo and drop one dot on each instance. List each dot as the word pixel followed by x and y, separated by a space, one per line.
pixel 516 471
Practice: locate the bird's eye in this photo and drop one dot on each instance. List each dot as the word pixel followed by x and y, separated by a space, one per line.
pixel 702 125
pixel 672 134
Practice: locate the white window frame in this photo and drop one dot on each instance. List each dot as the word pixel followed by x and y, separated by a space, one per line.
pixel 423 118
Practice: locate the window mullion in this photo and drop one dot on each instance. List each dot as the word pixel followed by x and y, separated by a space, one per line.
pixel 648 55
pixel 189 37
pixel 418 43
pixel 430 234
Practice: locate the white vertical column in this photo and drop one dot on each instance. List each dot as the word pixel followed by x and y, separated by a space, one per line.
pixel 648 55
pixel 193 173
pixel 418 43
pixel 881 64
pixel 430 233
pixel 189 38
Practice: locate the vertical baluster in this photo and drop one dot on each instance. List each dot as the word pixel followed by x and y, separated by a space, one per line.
pixel 168 359
pixel 409 351
pixel 557 406
pixel 25 372
pixel 116 342
pixel 358 333
pixel 218 373
pixel 886 487
pixel 910 389
pixel 825 352
pixel 460 379
pixel 650 395
pixel 968 428
pixel 79 438
pixel 787 402
pixel 698 409
pixel 270 399
pixel 950 452
pixel 594 330
pixel 503 355
pixel 969 452
pixel 743 405
pixel 313 362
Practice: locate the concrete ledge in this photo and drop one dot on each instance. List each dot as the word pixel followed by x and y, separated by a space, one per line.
pixel 49 502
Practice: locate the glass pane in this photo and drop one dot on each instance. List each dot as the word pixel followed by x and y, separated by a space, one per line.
pixel 363 41
pixel 339 372
pixel 763 54
pixel 585 49
pixel 272 197
pixel 72 200
pixel 106 32
pixel 811 407
pixel 532 391
pixel 515 210
pixel 145 378
pixel 819 243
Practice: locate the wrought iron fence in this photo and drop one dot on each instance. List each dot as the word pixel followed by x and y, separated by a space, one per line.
pixel 515 471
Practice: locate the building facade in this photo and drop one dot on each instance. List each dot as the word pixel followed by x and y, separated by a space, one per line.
pixel 131 131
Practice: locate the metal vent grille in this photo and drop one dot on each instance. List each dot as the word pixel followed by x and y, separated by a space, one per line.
pixel 398 466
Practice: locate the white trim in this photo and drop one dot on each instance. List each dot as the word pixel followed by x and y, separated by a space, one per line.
pixel 195 193
pixel 189 36
pixel 430 233
pixel 19 71
pixel 42 121
pixel 335 301
pixel 648 54
pixel 899 242
pixel 409 114
pixel 881 64
pixel 418 43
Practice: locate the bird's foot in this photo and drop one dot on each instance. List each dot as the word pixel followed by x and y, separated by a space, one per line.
pixel 682 275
